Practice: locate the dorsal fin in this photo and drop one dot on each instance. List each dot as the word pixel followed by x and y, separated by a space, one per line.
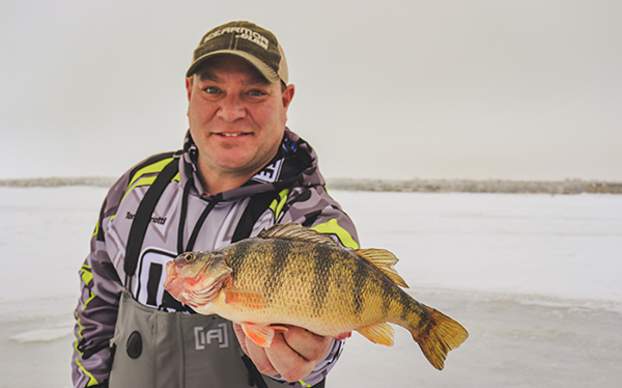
pixel 296 232
pixel 384 261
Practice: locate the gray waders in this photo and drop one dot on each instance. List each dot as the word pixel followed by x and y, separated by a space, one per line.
pixel 159 349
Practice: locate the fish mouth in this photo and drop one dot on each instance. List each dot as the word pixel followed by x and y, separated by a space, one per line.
pixel 171 274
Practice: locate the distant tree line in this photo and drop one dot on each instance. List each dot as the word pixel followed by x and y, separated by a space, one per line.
pixel 568 186
pixel 58 182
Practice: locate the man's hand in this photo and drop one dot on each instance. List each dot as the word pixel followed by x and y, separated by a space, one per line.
pixel 292 355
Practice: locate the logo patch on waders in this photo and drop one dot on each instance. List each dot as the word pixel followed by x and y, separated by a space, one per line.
pixel 218 335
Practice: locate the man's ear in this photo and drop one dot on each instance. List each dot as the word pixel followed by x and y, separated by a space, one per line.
pixel 189 81
pixel 288 95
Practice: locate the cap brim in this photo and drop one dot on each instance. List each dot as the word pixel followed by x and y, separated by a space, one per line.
pixel 264 69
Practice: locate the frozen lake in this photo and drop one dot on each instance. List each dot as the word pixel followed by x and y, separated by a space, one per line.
pixel 534 278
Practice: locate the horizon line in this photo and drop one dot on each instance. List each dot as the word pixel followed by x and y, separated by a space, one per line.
pixel 429 185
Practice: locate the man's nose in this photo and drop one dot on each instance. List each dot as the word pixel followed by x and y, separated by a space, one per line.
pixel 231 108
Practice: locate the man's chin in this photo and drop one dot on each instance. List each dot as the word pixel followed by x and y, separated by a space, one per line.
pixel 239 167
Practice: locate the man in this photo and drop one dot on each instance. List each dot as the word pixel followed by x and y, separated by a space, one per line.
pixel 240 171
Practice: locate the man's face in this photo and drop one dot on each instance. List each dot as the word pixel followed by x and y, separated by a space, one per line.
pixel 237 119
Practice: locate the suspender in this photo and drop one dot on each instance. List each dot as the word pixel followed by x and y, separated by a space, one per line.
pixel 256 206
pixel 143 217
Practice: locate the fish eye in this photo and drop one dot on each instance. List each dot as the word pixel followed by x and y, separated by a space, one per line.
pixel 188 257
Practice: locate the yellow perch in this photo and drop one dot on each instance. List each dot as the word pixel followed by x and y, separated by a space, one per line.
pixel 293 275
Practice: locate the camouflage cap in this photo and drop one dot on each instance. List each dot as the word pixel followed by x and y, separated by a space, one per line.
pixel 247 40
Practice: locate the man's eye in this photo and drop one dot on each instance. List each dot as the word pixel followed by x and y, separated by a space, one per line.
pixel 212 90
pixel 256 93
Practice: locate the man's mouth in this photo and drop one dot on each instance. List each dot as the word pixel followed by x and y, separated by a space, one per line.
pixel 232 134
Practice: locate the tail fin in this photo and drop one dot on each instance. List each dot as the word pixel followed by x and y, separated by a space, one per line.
pixel 438 337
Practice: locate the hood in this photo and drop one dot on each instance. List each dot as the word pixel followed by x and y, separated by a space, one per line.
pixel 295 163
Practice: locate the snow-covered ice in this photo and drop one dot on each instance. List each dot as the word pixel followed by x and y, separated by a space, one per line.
pixel 534 278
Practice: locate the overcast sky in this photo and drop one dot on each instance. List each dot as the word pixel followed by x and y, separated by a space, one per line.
pixel 525 89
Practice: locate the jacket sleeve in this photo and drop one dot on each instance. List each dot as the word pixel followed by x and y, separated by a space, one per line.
pixel 314 208
pixel 96 312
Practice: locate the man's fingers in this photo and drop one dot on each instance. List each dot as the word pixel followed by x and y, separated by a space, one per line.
pixel 254 352
pixel 292 355
pixel 287 362
pixel 260 359
pixel 239 333
pixel 310 346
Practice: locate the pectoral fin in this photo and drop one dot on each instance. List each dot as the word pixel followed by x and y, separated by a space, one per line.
pixel 249 299
pixel 261 335
pixel 381 333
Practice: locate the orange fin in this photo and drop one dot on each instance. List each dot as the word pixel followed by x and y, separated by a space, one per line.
pixel 384 261
pixel 250 299
pixel 261 335
pixel 381 333
pixel 297 232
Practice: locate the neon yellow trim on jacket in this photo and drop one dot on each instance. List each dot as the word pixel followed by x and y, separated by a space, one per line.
pixel 80 327
pixel 96 229
pixel 146 181
pixel 277 206
pixel 150 169
pixel 138 180
pixel 86 275
pixel 92 380
pixel 332 227
pixel 84 306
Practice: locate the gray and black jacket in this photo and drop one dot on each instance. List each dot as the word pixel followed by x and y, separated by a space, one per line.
pixel 289 189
